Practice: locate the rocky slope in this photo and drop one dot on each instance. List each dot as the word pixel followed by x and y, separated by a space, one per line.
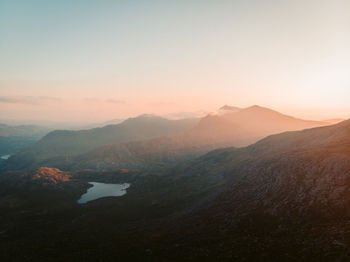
pixel 285 197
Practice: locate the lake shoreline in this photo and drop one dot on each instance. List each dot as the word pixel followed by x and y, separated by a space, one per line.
pixel 101 190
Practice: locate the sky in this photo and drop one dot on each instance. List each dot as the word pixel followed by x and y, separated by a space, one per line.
pixel 98 60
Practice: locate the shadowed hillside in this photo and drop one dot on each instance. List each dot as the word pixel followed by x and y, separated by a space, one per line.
pixel 286 196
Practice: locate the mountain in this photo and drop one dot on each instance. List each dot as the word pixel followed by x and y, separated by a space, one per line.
pixel 16 138
pixel 334 121
pixel 238 129
pixel 182 115
pixel 157 152
pixel 250 124
pixel 286 196
pixel 23 130
pixel 115 121
pixel 228 109
pixel 12 144
pixel 64 143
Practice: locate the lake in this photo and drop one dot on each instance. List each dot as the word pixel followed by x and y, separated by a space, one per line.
pixel 99 190
pixel 5 157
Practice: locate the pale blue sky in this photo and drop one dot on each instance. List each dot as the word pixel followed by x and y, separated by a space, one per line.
pixel 168 56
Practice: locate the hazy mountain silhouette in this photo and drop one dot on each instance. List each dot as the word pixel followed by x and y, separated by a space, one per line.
pixel 228 109
pixel 22 130
pixel 16 138
pixel 237 129
pixel 334 121
pixel 248 125
pixel 64 143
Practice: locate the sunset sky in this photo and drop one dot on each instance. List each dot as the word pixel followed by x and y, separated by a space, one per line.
pixel 98 60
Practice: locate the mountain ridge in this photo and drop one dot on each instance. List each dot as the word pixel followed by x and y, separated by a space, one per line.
pixel 237 129
pixel 68 143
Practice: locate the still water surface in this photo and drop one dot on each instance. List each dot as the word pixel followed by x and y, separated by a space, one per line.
pixel 99 190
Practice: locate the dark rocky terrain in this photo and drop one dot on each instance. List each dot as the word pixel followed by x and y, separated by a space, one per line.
pixel 284 198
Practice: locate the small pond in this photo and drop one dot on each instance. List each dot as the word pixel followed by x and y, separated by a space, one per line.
pixel 99 190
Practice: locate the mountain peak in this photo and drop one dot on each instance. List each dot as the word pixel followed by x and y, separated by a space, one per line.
pixel 257 107
pixel 230 108
pixel 226 109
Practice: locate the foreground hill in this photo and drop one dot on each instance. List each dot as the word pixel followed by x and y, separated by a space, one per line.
pixel 63 143
pixel 285 197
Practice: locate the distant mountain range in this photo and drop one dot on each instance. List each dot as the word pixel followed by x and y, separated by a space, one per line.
pixel 238 128
pixel 16 138
pixel 23 130
pixel 64 143
pixel 149 140
pixel 245 126
pixel 226 109
pixel 334 121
